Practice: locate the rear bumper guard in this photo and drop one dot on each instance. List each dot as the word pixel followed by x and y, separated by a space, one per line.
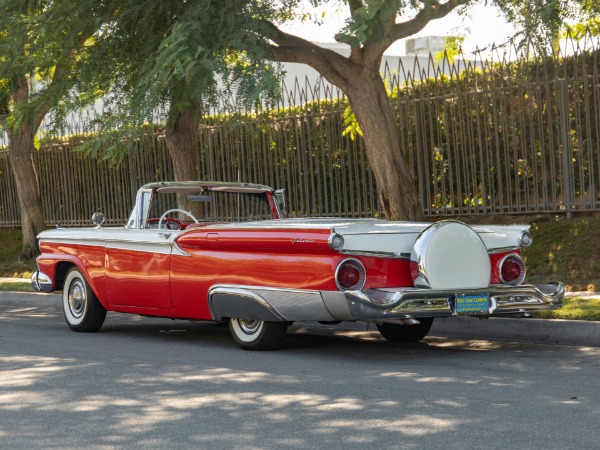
pixel 374 305
pixel 415 303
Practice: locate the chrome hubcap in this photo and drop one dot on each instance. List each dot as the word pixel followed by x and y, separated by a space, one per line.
pixel 77 299
pixel 249 326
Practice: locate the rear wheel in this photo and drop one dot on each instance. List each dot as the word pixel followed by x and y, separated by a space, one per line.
pixel 257 334
pixel 82 310
pixel 405 333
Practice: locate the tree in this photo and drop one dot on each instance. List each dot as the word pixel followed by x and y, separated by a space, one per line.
pixel 38 47
pixel 172 55
pixel 373 25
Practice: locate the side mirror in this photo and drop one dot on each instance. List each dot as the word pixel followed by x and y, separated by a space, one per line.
pixel 98 219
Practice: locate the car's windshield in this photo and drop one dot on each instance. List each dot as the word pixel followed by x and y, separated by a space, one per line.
pixel 176 210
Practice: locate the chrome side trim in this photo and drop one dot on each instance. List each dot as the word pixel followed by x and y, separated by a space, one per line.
pixel 380 254
pixel 502 250
pixel 267 303
pixel 160 246
pixel 240 303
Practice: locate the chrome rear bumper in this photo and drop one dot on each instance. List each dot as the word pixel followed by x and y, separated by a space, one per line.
pixel 415 303
pixel 374 305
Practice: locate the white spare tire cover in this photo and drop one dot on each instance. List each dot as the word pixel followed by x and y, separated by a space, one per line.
pixel 450 255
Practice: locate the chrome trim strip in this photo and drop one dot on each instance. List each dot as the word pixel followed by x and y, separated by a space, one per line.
pixel 379 254
pixel 263 288
pixel 492 251
pixel 144 246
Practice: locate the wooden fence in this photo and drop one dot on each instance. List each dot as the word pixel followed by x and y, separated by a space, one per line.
pixel 499 136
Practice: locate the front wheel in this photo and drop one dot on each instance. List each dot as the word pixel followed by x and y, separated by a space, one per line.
pixel 82 310
pixel 405 333
pixel 257 334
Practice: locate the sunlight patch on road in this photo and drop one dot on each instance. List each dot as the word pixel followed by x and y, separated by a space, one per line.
pixel 411 425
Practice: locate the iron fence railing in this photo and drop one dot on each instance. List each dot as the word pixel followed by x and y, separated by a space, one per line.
pixel 492 136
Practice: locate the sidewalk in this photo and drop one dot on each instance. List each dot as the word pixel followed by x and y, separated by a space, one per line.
pixel 15 280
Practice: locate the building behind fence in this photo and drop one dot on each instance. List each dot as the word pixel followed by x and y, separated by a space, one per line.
pixel 495 137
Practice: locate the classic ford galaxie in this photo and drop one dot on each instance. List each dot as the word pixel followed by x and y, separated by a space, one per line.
pixel 225 252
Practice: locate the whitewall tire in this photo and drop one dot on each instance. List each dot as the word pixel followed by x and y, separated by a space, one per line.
pixel 81 308
pixel 257 334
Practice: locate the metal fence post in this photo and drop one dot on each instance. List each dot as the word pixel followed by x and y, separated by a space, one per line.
pixel 567 178
pixel 422 178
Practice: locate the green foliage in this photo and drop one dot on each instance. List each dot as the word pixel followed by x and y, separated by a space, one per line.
pixel 351 126
pixel 173 55
pixel 368 20
pixel 39 43
pixel 452 49
pixel 582 29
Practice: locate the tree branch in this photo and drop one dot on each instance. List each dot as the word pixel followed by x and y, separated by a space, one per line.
pixel 373 49
pixel 290 48
pixel 435 11
pixel 354 5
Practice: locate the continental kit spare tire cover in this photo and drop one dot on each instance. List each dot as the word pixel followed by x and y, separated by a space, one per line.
pixel 450 255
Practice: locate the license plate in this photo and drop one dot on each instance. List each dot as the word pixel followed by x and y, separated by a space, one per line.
pixel 467 305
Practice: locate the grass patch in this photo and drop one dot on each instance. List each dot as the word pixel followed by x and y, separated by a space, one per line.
pixel 574 309
pixel 565 250
pixel 10 266
pixel 16 287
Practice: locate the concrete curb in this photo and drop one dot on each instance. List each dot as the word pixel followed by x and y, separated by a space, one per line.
pixel 539 331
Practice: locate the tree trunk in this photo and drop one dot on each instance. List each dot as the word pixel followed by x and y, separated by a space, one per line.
pixel 394 177
pixel 182 143
pixel 28 188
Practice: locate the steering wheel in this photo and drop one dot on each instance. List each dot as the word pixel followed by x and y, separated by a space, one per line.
pixel 162 218
pixel 170 224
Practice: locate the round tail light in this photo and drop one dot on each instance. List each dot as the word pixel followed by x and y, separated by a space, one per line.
pixel 350 275
pixel 512 270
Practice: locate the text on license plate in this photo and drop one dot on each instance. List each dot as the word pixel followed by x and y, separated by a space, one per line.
pixel 472 304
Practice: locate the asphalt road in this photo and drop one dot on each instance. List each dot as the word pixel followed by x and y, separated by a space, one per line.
pixel 153 383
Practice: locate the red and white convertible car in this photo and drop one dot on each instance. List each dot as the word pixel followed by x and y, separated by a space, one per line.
pixel 225 251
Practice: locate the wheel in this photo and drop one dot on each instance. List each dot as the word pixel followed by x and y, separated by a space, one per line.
pixel 257 334
pixel 82 310
pixel 405 333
